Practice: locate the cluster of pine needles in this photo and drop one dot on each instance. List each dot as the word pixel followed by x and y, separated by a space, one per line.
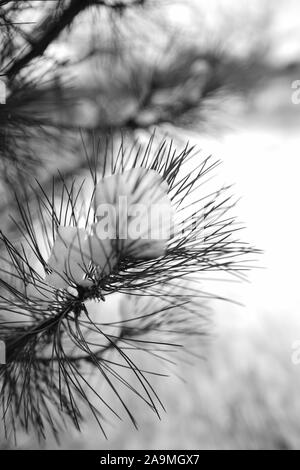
pixel 62 360
pixel 52 342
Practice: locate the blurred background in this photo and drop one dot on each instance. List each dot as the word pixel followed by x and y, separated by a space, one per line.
pixel 220 75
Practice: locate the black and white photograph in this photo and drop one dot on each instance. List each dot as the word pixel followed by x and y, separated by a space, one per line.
pixel 149 228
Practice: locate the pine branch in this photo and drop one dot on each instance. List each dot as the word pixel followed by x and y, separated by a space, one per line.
pixel 52 26
pixel 50 332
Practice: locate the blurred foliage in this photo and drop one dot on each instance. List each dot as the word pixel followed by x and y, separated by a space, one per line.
pixel 117 66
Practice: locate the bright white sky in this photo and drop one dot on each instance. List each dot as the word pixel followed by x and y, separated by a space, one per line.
pixel 263 163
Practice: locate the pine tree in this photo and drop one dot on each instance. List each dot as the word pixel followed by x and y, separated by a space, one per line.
pixel 92 95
